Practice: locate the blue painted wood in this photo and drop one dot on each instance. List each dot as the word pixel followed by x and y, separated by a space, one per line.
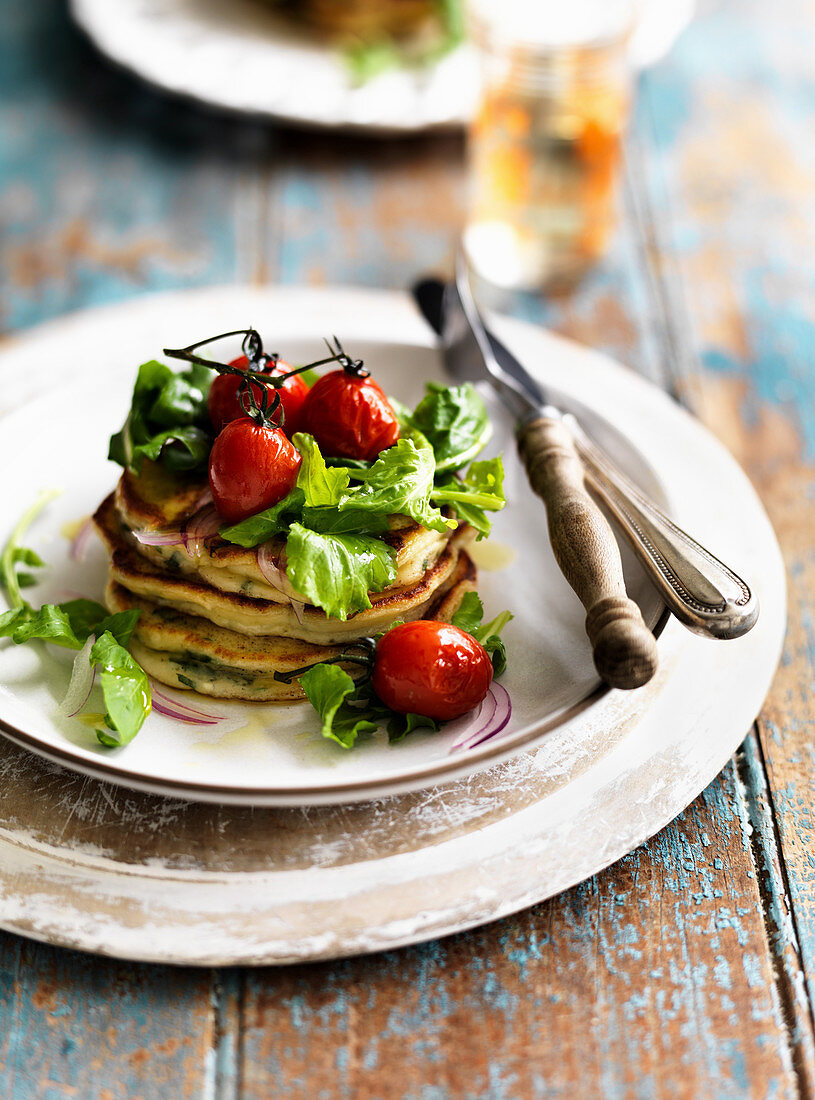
pixel 72 1026
pixel 680 970
pixel 106 189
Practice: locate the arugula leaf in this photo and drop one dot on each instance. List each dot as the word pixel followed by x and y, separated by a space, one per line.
pixel 125 688
pixel 336 572
pixel 400 481
pixel 49 624
pixel 331 692
pixel 348 709
pixel 454 421
pixel 67 624
pixel 120 625
pixel 468 618
pixel 321 485
pixel 348 521
pixel 168 419
pixel 271 521
pixel 480 490
pixel 400 725
pixel 14 555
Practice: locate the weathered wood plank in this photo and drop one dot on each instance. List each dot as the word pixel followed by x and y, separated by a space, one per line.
pixel 735 170
pixel 652 979
pixel 74 1026
pixel 106 189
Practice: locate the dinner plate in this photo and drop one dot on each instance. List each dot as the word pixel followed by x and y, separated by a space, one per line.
pixel 242 55
pixel 273 754
pixel 93 865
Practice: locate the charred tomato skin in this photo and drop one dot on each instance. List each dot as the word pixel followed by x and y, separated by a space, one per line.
pixel 224 402
pixel 251 467
pixel 350 417
pixel 431 668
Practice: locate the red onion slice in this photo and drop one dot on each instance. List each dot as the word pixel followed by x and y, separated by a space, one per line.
pixel 79 547
pixel 299 610
pixel 488 724
pixel 267 558
pixel 82 678
pixel 164 703
pixel 200 526
pixel 170 712
pixel 167 537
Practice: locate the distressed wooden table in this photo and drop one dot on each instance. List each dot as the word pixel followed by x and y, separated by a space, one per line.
pixel 684 970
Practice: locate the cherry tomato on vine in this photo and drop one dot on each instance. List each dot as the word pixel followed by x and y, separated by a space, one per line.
pixel 251 467
pixel 431 668
pixel 224 399
pixel 349 416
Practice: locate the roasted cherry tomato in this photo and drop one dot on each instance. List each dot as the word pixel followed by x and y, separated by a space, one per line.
pixel 251 467
pixel 224 399
pixel 350 417
pixel 431 668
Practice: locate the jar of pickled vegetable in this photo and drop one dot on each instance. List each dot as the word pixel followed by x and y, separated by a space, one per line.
pixel 546 141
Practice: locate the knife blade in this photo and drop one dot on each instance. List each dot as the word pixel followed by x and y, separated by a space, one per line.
pixel 706 595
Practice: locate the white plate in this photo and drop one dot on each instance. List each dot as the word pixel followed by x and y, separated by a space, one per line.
pixel 270 753
pixel 243 56
pixel 90 866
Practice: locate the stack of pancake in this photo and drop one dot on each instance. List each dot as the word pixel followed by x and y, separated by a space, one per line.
pixel 214 621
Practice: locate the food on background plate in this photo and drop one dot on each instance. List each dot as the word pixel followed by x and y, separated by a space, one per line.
pixel 275 540
pixel 377 35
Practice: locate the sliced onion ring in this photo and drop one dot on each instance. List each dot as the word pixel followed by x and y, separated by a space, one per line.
pixel 167 537
pixel 199 527
pixel 164 704
pixel 267 554
pixel 487 721
pixel 82 678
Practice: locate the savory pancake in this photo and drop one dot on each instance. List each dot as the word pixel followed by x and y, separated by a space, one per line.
pixel 189 652
pixel 158 500
pixel 237 611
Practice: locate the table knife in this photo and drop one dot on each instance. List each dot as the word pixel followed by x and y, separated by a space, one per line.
pixel 560 460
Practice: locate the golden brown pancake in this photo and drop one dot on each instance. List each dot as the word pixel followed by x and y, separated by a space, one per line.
pixel 157 500
pixel 249 615
pixel 191 653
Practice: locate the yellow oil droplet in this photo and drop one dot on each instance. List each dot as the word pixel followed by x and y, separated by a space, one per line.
pixel 72 528
pixel 252 734
pixel 492 556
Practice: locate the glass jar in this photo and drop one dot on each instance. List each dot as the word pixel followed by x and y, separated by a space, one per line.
pixel 545 144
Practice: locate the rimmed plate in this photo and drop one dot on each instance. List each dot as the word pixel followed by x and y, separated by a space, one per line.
pixel 241 55
pixel 92 866
pixel 271 754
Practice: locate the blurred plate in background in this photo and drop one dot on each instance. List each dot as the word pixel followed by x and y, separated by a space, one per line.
pixel 243 56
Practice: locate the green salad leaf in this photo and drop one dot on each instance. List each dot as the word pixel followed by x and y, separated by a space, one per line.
pixel 471 495
pixel 348 521
pixel 333 694
pixel 455 423
pixel 321 485
pixel 348 710
pixel 125 688
pixel 264 525
pixel 12 579
pixel 400 481
pixel 71 624
pixel 336 572
pixel 168 419
pixel 469 618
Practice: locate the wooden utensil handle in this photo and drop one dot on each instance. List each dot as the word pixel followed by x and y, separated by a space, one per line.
pixel 625 653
